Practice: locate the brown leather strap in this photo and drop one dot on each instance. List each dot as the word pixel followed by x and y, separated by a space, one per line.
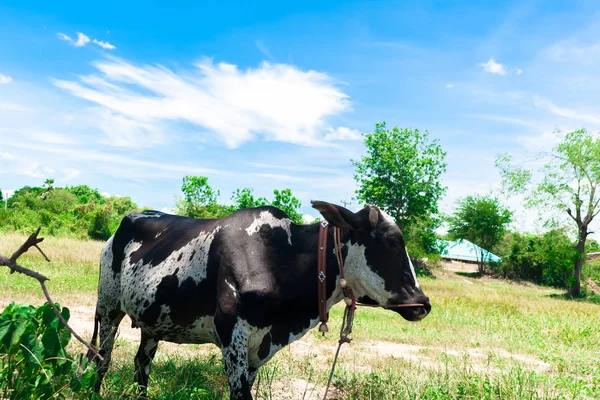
pixel 322 275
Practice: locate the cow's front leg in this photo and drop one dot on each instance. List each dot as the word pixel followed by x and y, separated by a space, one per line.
pixel 233 337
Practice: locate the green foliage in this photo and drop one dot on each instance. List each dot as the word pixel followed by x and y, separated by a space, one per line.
pixel 77 211
pixel 200 200
pixel 1 197
pixel 481 220
pixel 569 184
pixel 545 259
pixel 401 173
pixel 244 198
pixel 285 200
pixel 33 359
pixel 197 191
pixel 421 239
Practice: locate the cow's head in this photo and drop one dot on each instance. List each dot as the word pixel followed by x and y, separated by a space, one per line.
pixel 378 267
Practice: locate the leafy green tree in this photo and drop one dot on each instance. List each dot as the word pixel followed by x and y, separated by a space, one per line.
pixel 197 191
pixel 568 182
pixel 481 220
pixel 286 201
pixel 244 198
pixel 401 174
pixel 200 199
pixel 86 194
pixel 1 197
pixel 544 259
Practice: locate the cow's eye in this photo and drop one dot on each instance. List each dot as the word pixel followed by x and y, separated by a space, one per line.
pixel 392 243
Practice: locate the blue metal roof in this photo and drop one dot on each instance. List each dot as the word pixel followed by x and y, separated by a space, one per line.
pixel 464 250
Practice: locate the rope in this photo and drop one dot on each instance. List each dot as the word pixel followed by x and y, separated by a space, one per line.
pixel 348 319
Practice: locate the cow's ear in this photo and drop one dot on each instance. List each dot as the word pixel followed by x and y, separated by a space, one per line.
pixel 337 215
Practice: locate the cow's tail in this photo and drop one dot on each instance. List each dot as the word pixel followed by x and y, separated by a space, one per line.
pixel 94 342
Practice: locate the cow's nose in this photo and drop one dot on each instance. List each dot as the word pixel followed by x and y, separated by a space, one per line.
pixel 427 305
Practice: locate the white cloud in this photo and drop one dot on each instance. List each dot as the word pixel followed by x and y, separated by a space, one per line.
pixel 579 115
pixel 4 79
pixel 493 67
pixel 276 101
pixel 50 137
pixel 308 219
pixel 342 133
pixel 81 41
pixel 519 71
pixel 64 37
pixel 104 45
pixel 450 85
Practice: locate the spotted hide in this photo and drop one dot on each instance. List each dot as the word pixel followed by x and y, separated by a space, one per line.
pixel 246 282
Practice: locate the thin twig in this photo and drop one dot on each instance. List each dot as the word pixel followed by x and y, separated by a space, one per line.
pixel 33 241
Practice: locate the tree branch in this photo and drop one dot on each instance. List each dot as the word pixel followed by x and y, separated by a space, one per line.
pixel 33 241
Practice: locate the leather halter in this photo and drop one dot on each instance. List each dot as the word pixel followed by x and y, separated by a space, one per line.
pixel 322 273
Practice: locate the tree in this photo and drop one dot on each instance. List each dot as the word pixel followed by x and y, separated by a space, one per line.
pixel 197 191
pixel 481 220
pixel 200 199
pixel 285 200
pixel 568 182
pixel 1 197
pixel 244 198
pixel 401 174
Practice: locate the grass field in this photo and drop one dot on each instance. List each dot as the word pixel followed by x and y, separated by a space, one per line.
pixel 484 339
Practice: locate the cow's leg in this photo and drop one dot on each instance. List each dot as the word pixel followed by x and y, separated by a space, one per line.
pixel 108 324
pixel 143 359
pixel 233 339
pixel 240 378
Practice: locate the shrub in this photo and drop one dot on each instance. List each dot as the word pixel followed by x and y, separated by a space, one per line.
pixel 546 259
pixel 33 359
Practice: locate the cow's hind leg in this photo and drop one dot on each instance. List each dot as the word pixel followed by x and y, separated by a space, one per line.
pixel 108 324
pixel 143 359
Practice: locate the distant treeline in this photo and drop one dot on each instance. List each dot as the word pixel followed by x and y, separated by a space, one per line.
pixel 72 211
pixel 83 212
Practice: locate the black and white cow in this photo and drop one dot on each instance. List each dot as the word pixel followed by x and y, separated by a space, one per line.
pixel 246 282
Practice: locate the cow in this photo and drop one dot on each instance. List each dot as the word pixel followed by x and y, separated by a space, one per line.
pixel 246 282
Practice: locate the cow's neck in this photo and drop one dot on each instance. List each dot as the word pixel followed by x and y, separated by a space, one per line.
pixel 310 242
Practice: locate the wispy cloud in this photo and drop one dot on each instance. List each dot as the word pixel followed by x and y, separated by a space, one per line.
pixel 579 115
pixel 260 45
pixel 83 39
pixel 449 85
pixel 4 79
pixel 518 71
pixel 296 168
pixel 104 45
pixel 493 67
pixel 342 133
pixel 278 102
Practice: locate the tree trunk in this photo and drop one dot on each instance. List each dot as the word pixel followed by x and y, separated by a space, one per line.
pixel 575 289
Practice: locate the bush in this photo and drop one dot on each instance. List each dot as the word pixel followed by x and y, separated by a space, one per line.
pixel 546 259
pixel 80 212
pixel 33 359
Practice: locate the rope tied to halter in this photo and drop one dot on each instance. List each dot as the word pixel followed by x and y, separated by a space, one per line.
pixel 349 296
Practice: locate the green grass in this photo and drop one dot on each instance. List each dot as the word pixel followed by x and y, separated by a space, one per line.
pixel 462 350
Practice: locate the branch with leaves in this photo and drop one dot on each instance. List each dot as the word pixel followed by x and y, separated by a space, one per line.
pixel 11 262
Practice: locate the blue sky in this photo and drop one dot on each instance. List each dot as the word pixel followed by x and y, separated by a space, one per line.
pixel 130 97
